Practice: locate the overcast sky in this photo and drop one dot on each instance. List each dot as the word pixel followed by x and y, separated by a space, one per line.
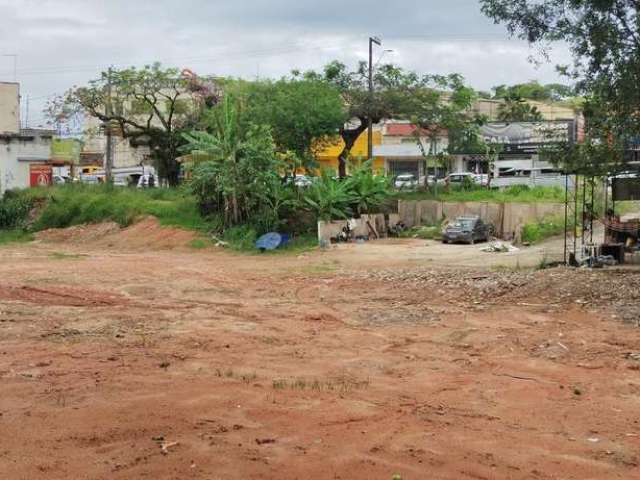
pixel 61 43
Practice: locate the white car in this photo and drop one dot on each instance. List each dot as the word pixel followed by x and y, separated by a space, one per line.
pixel 405 181
pixel 302 181
pixel 60 180
pixel 458 178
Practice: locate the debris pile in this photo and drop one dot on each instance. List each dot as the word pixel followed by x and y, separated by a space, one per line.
pixel 614 291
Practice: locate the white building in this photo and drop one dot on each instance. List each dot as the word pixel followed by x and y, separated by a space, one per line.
pixel 25 154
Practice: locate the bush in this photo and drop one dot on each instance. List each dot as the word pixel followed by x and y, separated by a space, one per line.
pixel 329 199
pixel 80 204
pixel 14 236
pixel 14 211
pixel 241 237
pixel 539 231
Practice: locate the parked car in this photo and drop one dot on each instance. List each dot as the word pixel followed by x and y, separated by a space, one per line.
pixel 458 178
pixel 467 230
pixel 60 180
pixel 147 181
pixel 302 181
pixel 405 181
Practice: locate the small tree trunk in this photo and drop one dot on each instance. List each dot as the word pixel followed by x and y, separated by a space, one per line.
pixel 234 204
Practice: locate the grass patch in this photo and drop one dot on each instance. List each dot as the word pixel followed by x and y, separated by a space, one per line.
pixel 78 204
pixel 14 236
pixel 623 208
pixel 341 384
pixel 539 231
pixel 199 243
pixel 515 194
pixel 243 239
pixel 66 256
pixel 429 232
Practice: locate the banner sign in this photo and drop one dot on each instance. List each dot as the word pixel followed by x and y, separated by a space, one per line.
pixel 527 137
pixel 40 175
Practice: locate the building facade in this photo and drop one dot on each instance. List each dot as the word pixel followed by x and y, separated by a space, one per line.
pixel 25 154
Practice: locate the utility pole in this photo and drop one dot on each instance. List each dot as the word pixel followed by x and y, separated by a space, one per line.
pixel 26 114
pixel 378 42
pixel 108 161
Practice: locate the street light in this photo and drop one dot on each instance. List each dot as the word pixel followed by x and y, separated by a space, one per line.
pixel 378 42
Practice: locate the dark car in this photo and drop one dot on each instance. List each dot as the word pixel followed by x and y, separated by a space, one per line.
pixel 466 229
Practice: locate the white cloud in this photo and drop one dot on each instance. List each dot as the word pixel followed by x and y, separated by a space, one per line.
pixel 65 43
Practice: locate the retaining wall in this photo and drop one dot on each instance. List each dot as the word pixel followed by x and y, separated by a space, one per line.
pixel 505 217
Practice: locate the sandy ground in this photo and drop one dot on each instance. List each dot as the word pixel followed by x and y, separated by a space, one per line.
pixel 180 364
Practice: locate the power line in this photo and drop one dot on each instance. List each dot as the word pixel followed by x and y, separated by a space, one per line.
pixel 51 70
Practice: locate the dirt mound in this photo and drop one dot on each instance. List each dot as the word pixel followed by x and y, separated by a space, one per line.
pixel 145 234
pixel 79 234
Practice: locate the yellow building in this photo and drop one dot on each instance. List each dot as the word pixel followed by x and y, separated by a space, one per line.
pixel 328 157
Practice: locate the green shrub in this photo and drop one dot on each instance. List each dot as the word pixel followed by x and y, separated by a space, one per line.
pixel 14 236
pixel 242 237
pixel 329 199
pixel 369 191
pixel 80 204
pixel 514 194
pixel 14 209
pixel 538 231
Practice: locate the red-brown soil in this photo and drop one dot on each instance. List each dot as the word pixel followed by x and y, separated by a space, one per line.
pixel 210 365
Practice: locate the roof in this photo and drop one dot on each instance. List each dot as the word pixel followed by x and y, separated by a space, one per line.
pixel 37 132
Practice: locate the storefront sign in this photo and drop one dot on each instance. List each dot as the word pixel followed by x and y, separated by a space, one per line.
pixel 40 175
pixel 527 137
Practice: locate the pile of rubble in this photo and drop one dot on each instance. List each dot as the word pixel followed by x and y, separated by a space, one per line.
pixel 614 291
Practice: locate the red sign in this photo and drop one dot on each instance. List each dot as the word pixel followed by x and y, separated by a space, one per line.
pixel 40 175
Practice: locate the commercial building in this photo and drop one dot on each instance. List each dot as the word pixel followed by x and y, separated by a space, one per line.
pixel 25 154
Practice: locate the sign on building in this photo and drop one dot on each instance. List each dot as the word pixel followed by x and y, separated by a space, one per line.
pixel 528 137
pixel 40 175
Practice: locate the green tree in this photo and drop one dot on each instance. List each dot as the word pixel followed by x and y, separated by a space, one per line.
pixel 533 90
pixel 243 169
pixel 604 37
pixel 302 113
pixel 444 103
pixel 393 97
pixel 517 109
pixel 150 106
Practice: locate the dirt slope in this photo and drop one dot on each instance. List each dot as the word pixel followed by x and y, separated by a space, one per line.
pixel 145 234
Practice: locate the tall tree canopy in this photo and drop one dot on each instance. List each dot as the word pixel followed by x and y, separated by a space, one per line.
pixel 517 109
pixel 534 90
pixel 430 101
pixel 604 37
pixel 149 106
pixel 301 112
pixel 393 97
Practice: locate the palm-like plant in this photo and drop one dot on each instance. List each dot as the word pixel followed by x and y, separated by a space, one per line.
pixel 368 191
pixel 329 198
pixel 223 146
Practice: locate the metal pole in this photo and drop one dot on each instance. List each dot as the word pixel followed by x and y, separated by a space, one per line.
pixel 377 41
pixel 575 215
pixel 108 167
pixel 566 215
pixel 592 209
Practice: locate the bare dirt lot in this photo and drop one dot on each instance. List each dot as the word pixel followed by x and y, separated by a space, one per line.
pixel 349 364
